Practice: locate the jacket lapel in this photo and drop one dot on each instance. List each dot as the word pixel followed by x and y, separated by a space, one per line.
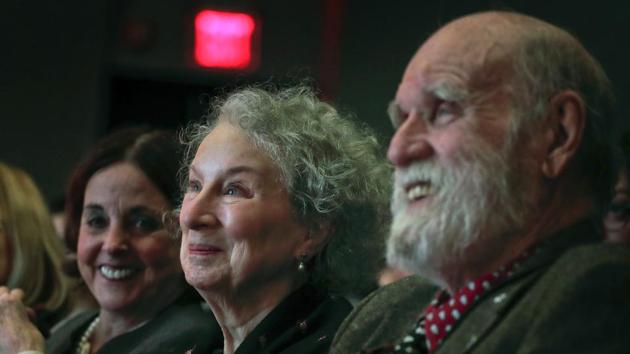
pixel 491 309
pixel 480 321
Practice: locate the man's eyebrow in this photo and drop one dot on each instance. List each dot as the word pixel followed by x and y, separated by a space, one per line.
pixel 447 91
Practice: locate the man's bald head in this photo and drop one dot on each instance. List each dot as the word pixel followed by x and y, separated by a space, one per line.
pixel 501 131
pixel 531 60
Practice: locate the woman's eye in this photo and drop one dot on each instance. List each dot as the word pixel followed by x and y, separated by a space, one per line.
pixel 194 186
pixel 96 222
pixel 235 190
pixel 146 224
pixel 231 191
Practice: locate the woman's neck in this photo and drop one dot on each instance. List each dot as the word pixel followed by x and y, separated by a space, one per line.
pixel 115 323
pixel 239 311
pixel 234 335
pixel 112 325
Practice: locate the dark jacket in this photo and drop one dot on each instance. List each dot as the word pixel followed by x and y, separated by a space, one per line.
pixel 571 297
pixel 303 323
pixel 182 326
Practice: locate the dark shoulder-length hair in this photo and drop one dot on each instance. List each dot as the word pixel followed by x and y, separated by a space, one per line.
pixel 154 152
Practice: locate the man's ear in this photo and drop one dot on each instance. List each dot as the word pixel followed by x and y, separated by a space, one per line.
pixel 565 126
pixel 315 240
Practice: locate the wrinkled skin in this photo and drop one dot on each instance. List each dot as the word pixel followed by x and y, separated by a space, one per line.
pixel 17 332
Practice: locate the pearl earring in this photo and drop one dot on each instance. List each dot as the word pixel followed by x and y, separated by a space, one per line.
pixel 302 263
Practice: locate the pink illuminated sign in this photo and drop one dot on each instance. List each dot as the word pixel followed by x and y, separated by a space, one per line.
pixel 224 39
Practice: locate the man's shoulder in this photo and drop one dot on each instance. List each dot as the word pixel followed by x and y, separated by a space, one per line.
pixel 595 255
pixel 596 263
pixel 602 265
pixel 546 311
pixel 588 284
pixel 578 256
pixel 384 316
pixel 401 296
pixel 406 288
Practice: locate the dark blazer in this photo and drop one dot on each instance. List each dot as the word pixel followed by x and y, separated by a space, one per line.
pixel 573 296
pixel 182 326
pixel 303 323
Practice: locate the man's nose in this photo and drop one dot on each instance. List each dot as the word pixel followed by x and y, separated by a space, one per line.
pixel 410 142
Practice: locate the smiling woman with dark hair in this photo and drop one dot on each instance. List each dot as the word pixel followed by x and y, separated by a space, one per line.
pixel 285 209
pixel 115 203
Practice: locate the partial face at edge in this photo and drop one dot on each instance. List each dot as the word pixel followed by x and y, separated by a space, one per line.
pixel 617 220
pixel 5 255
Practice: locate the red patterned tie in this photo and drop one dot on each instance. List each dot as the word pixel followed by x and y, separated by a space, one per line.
pixel 444 312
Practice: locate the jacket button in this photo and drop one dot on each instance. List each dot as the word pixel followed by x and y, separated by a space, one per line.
pixel 471 341
pixel 499 298
pixel 262 340
pixel 302 325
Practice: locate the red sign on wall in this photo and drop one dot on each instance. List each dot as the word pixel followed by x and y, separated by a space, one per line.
pixel 225 40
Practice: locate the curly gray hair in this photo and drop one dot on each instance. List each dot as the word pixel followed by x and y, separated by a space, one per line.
pixel 333 169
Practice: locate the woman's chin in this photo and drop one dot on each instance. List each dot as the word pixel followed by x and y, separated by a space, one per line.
pixel 205 281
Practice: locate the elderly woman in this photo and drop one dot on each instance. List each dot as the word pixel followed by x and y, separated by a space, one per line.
pixel 30 252
pixel 115 203
pixel 285 205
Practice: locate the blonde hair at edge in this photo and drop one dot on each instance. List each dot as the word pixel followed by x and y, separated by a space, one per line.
pixel 35 252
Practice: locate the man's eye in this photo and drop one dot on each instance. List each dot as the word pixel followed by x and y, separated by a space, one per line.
pixel 446 112
pixel 443 109
pixel 398 118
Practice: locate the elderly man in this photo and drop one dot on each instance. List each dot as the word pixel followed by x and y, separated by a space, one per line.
pixel 502 169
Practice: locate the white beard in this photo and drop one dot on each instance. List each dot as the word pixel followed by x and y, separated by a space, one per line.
pixel 478 201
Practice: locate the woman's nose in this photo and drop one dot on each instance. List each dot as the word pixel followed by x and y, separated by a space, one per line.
pixel 115 239
pixel 198 212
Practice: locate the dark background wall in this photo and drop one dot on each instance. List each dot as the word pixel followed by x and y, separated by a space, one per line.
pixel 73 70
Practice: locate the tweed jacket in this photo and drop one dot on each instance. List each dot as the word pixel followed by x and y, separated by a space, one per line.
pixel 572 296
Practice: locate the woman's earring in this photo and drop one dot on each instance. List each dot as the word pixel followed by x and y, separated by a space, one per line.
pixel 302 263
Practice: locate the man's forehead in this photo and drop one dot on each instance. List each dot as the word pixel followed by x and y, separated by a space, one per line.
pixel 471 42
pixel 451 80
pixel 461 52
pixel 448 71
